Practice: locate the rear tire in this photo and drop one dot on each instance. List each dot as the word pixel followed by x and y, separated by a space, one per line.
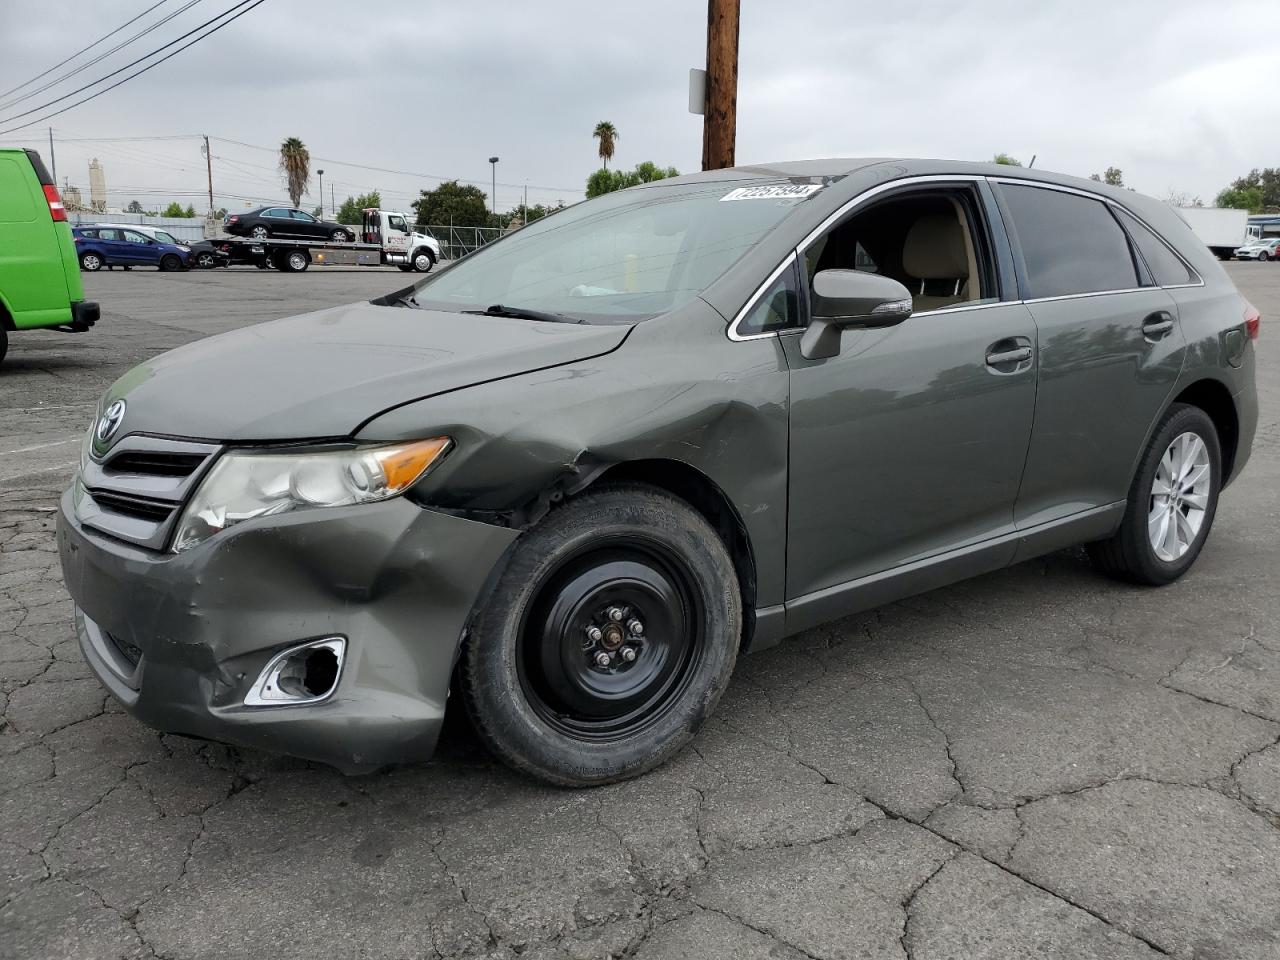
pixel 260 232
pixel 91 262
pixel 339 236
pixel 531 672
pixel 1162 533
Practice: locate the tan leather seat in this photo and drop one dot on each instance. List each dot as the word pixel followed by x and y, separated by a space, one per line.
pixel 936 256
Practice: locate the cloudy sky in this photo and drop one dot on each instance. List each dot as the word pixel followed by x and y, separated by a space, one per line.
pixel 1182 95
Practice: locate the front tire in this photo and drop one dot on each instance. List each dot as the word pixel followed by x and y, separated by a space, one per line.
pixel 422 260
pixel 170 262
pixel 1171 505
pixel 1264 256
pixel 606 641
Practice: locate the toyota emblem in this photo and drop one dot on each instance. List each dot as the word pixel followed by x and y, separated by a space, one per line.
pixel 109 422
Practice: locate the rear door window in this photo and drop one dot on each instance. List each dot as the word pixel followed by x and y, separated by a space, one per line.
pixel 1166 266
pixel 1070 244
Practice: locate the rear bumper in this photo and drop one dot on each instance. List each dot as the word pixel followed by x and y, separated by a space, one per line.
pixel 179 640
pixel 84 314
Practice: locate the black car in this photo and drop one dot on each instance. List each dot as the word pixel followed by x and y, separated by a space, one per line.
pixel 205 255
pixel 285 223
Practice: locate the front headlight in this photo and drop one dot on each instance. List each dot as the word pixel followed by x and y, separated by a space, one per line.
pixel 247 484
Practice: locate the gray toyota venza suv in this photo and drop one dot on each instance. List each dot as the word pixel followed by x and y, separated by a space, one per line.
pixel 576 474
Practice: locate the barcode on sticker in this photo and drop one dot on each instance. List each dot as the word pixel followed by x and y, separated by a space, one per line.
pixel 776 191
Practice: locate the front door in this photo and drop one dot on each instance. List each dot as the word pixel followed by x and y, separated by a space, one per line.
pixel 1110 351
pixel 138 248
pixel 910 442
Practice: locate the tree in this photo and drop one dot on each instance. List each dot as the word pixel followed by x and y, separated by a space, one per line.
pixel 453 203
pixel 1112 176
pixel 133 207
pixel 1177 198
pixel 607 134
pixel 1241 198
pixel 352 208
pixel 176 209
pixel 606 181
pixel 521 214
pixel 1266 180
pixel 295 164
pixel 1006 160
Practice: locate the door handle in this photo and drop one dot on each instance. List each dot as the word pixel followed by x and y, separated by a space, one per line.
pixel 1157 324
pixel 1019 355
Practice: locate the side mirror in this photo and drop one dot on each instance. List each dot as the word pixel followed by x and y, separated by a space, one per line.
pixel 850 298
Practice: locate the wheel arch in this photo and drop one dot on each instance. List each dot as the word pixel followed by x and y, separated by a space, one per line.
pixel 703 494
pixel 1213 397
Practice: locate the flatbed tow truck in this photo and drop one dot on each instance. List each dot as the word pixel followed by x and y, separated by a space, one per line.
pixel 385 238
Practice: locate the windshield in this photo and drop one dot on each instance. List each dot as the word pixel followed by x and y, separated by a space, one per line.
pixel 619 258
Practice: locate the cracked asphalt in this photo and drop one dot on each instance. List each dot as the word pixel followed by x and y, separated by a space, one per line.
pixel 1037 763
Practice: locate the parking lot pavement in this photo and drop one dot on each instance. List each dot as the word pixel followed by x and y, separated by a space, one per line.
pixel 1037 763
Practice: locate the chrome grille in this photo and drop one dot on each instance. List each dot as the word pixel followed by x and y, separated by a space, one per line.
pixel 136 491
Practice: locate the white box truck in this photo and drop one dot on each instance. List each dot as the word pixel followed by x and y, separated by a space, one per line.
pixel 1220 228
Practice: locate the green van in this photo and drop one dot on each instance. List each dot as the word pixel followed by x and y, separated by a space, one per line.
pixel 39 274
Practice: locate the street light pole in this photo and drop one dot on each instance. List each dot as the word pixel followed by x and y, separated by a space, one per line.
pixel 493 195
pixel 321 172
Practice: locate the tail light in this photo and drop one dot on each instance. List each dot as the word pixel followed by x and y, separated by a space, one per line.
pixel 56 209
pixel 1252 321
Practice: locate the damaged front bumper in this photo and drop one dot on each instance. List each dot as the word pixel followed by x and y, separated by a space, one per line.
pixel 180 639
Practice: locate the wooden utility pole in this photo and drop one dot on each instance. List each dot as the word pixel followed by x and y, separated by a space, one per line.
pixel 208 165
pixel 720 122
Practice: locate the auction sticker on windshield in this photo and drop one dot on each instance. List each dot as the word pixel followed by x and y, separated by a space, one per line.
pixel 776 191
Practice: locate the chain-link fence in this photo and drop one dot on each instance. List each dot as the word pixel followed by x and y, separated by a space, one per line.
pixel 457 242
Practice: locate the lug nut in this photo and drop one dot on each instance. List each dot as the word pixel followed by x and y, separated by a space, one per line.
pixel 615 614
pixel 602 659
pixel 636 627
pixel 628 654
pixel 594 634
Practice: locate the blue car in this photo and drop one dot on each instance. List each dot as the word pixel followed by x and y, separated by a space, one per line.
pixel 99 246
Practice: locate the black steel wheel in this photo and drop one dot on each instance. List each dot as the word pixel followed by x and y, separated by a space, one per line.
pixel 170 262
pixel 607 640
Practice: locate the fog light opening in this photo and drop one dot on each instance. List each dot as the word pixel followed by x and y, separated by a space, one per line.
pixel 303 674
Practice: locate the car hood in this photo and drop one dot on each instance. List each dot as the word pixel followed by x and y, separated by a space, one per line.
pixel 324 374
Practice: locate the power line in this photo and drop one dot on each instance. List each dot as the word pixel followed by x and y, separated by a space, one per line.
pixel 98 59
pixel 402 173
pixel 26 83
pixel 99 93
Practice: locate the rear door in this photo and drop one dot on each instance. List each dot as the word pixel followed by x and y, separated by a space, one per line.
pixel 32 280
pixel 1110 349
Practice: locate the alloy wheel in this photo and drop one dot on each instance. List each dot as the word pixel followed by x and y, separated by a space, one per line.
pixel 1179 497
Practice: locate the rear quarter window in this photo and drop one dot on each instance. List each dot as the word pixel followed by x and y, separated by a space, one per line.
pixel 1070 244
pixel 1166 267
pixel 16 205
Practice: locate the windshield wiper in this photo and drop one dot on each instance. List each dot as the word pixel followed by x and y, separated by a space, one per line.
pixel 522 313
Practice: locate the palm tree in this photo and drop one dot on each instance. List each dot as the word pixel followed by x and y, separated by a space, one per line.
pixel 607 134
pixel 295 164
